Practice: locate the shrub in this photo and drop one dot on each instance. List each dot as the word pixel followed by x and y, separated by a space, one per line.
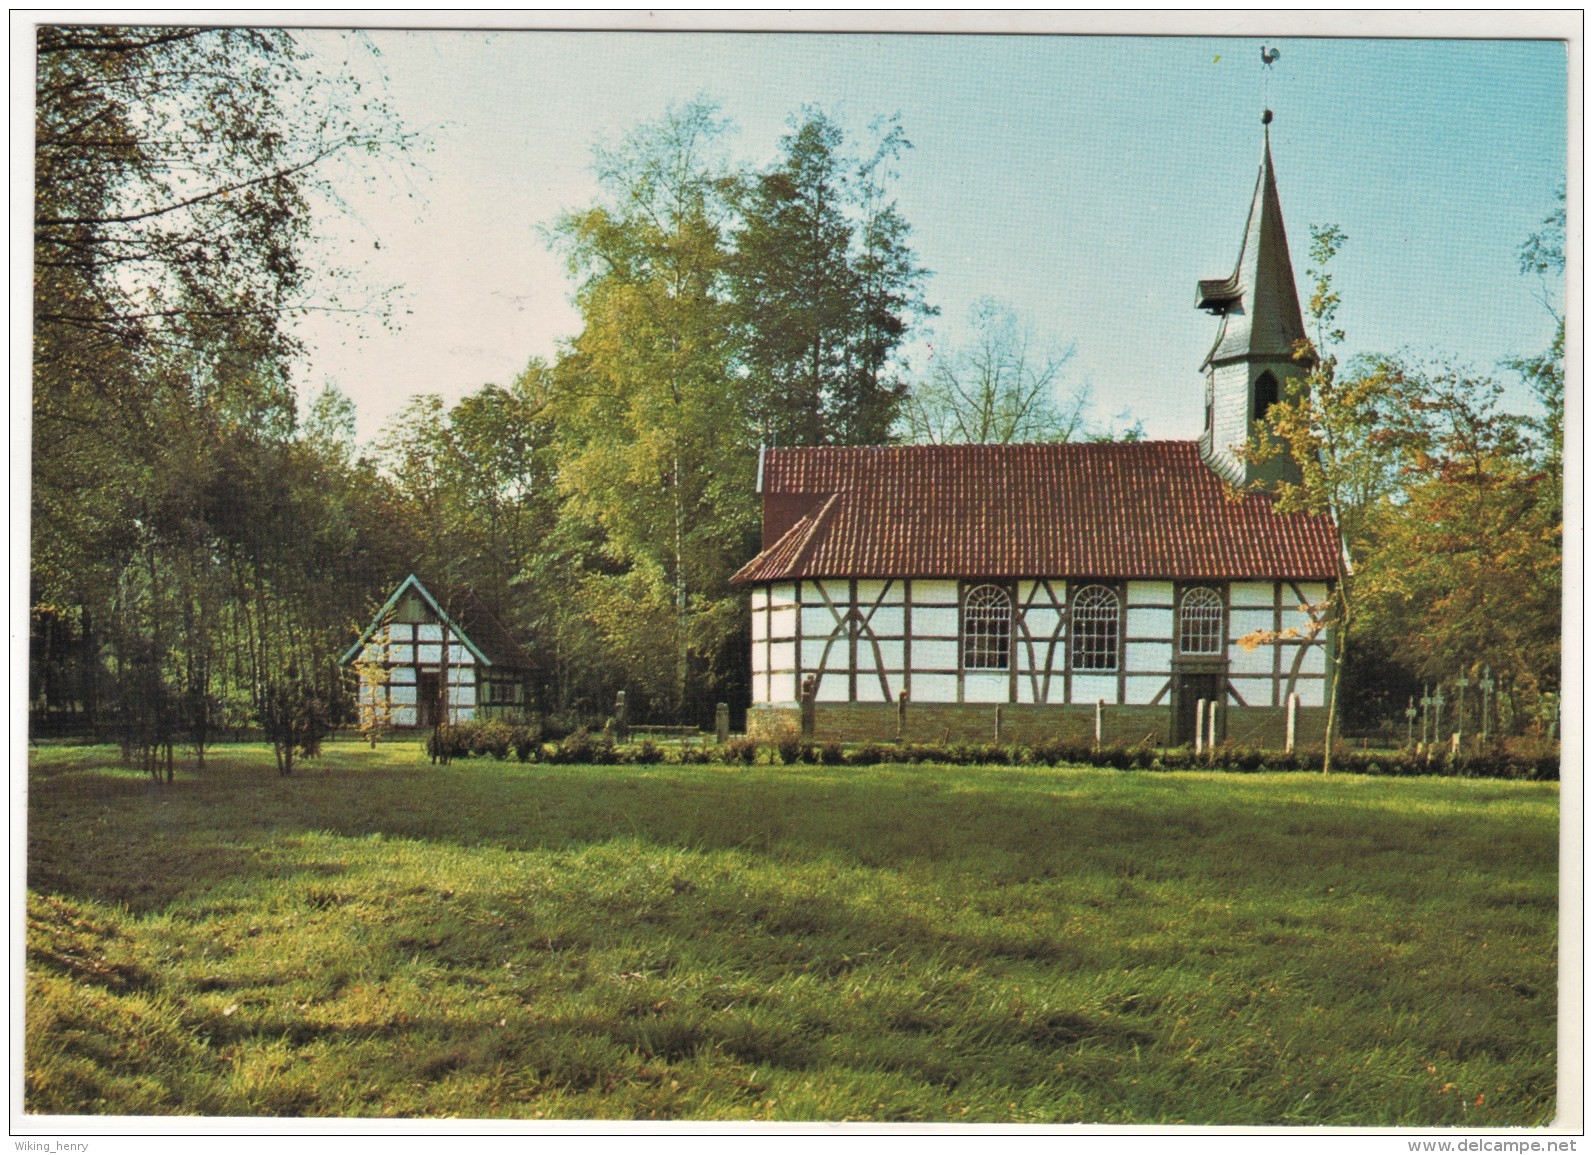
pixel 831 754
pixel 646 753
pixel 740 750
pixel 526 742
pixel 790 749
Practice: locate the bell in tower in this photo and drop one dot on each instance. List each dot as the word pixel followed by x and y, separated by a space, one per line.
pixel 1252 363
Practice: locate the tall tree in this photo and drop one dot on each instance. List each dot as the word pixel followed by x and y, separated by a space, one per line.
pixel 175 169
pixel 825 288
pixel 1001 386
pixel 655 443
pixel 1337 427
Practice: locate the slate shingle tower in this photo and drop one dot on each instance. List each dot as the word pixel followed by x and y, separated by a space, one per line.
pixel 1252 363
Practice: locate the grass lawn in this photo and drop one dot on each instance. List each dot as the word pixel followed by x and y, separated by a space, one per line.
pixel 375 936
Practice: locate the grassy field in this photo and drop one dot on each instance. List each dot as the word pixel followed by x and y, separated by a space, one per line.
pixel 379 937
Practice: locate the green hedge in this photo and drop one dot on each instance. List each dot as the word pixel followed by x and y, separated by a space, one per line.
pixel 527 743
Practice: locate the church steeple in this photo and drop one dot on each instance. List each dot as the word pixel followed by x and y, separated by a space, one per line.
pixel 1252 362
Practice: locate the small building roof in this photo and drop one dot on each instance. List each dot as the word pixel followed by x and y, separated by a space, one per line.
pixel 463 609
pixel 1150 509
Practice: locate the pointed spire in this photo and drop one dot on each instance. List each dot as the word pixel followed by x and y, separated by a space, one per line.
pixel 1258 302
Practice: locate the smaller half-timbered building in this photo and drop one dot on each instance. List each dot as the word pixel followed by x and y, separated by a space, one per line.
pixel 442 656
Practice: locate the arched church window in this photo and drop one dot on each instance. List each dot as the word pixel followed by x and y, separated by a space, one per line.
pixel 1095 629
pixel 1200 622
pixel 1266 395
pixel 986 629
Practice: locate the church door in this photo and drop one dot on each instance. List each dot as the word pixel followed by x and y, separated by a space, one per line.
pixel 1188 690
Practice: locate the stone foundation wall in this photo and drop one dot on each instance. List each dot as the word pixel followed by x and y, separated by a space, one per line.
pixel 968 722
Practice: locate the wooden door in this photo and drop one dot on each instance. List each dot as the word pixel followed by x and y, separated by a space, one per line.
pixel 428 688
pixel 1187 691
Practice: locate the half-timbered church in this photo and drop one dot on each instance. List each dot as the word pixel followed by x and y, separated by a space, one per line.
pixel 1048 580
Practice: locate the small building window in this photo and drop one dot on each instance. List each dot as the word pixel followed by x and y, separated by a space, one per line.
pixel 1095 629
pixel 986 629
pixel 1200 622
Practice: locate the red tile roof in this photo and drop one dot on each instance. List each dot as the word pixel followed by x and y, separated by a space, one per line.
pixel 1150 509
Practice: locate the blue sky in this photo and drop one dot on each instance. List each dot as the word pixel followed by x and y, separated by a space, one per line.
pixel 1086 181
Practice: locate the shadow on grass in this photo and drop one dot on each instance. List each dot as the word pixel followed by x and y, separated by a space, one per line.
pixel 107 835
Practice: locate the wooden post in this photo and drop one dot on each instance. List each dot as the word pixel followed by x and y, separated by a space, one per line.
pixel 1200 725
pixel 722 723
pixel 1293 708
pixel 810 686
pixel 998 725
pixel 1100 708
pixel 622 729
pixel 901 717
pixel 1211 725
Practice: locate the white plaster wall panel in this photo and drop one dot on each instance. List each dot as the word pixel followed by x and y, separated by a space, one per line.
pixel 1150 593
pixel 838 591
pixel 1256 661
pixel 930 591
pixel 1089 688
pixel 1254 691
pixel 460 655
pixel 813 654
pixel 985 688
pixel 871 590
pixel 934 655
pixel 465 696
pixel 782 594
pixel 760 625
pixel 834 687
pixel 401 655
pixel 888 620
pixel 783 623
pixel 865 656
pixel 1142 691
pixel 868 689
pixel 1293 619
pixel 1147 657
pixel 429 631
pixel 1311 691
pixel 1030 592
pixel 403 695
pixel 403 715
pixel 782 689
pixel 401 674
pixel 760 597
pixel 1315 593
pixel 461 676
pixel 1041 621
pixel 934 688
pixel 1250 594
pixel 429 655
pixel 890 653
pixel 782 656
pixel 1144 623
pixel 759 658
pixel 817 621
pixel 464 714
pixel 934 622
pixel 1242 622
pixel 1025 690
pixel 1315 660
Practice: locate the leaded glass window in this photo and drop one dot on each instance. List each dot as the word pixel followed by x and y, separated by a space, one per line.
pixel 1095 629
pixel 986 629
pixel 1200 622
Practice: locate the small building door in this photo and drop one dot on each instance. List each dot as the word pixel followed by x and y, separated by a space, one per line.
pixel 428 688
pixel 1189 689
